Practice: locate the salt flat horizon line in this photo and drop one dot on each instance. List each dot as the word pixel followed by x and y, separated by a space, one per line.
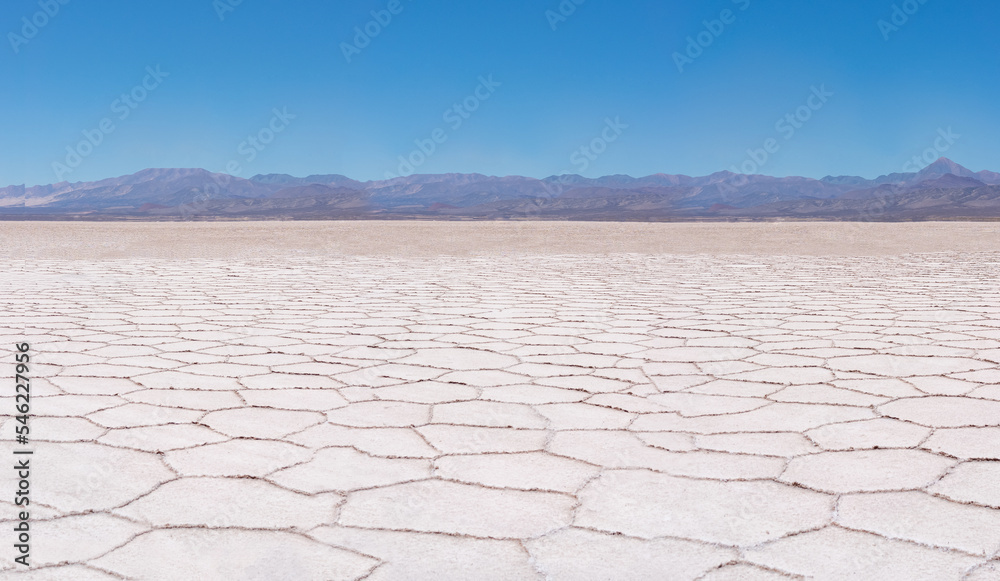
pixel 727 172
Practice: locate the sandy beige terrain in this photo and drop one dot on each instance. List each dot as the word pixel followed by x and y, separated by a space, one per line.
pixel 543 402
pixel 93 240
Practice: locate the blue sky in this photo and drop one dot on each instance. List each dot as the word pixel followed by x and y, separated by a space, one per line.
pixel 595 88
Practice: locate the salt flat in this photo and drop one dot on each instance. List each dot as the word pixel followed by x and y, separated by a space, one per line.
pixel 384 401
pixel 101 240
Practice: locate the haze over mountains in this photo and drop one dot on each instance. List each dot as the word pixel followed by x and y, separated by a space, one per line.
pixel 942 190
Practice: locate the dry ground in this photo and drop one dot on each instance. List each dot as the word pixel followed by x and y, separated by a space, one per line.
pixel 543 401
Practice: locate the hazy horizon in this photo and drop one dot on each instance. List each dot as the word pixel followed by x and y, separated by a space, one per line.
pixel 540 178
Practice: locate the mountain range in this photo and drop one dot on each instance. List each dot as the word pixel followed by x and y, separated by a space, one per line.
pixel 942 190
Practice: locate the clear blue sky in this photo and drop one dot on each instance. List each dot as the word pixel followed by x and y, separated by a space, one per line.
pixel 606 60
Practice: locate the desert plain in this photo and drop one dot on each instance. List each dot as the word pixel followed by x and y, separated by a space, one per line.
pixel 543 401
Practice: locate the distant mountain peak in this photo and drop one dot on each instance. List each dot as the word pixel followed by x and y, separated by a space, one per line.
pixel 944 166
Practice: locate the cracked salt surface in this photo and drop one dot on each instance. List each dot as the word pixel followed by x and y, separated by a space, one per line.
pixel 511 417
